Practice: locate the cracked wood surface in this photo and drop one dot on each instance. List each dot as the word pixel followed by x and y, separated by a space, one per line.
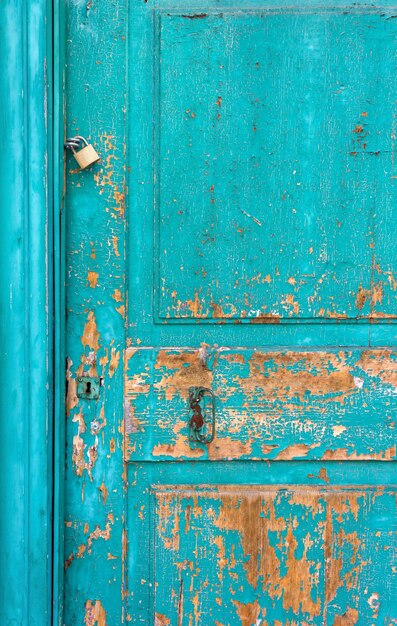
pixel 251 555
pixel 337 405
pixel 235 236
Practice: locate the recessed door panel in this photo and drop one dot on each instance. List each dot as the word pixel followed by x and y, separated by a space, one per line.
pixel 335 405
pixel 263 120
pixel 263 555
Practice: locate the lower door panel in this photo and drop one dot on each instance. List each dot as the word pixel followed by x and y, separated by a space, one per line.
pixel 262 544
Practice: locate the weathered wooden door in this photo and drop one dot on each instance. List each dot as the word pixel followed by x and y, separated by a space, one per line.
pixel 238 237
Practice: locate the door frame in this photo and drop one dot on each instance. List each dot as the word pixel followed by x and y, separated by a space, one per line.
pixel 31 335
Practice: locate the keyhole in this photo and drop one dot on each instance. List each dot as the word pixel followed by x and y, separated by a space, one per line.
pixel 88 387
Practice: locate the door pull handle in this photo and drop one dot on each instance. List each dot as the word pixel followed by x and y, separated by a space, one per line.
pixel 202 415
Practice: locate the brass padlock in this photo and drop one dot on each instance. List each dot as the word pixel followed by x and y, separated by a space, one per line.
pixel 86 156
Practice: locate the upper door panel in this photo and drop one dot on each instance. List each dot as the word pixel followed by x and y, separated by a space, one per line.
pixel 274 178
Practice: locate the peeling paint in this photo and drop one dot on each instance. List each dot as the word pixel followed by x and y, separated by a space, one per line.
pixel 262 255
pixel 276 405
pixel 95 614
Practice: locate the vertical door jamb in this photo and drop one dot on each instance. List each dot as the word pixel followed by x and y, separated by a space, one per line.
pixel 27 312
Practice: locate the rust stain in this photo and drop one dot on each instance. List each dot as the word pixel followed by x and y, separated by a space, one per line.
pixel 180 602
pixel 195 305
pixel 334 315
pixel 268 318
pixel 161 620
pixel 196 308
pixel 362 296
pixel 95 614
pixel 374 295
pixel 268 448
pixel 218 311
pixel 69 561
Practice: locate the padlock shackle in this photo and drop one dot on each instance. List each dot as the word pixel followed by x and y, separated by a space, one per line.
pixel 82 139
pixel 72 143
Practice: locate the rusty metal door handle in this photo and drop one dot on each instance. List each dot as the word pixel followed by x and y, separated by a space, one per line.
pixel 201 429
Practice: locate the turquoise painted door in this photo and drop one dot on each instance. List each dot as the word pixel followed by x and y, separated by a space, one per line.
pixel 232 262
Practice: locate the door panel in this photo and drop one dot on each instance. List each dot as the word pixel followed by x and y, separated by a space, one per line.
pixel 268 405
pixel 263 119
pixel 237 236
pixel 275 551
pixel 253 555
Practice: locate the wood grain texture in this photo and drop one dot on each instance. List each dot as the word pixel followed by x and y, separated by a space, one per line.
pixel 269 543
pixel 26 318
pixel 282 127
pixel 291 556
pixel 269 405
pixel 237 236
pixel 95 335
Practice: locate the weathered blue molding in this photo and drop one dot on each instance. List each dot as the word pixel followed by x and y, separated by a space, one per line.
pixel 26 318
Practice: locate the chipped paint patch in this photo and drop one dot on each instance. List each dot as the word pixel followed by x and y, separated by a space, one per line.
pixel 349 618
pixel 79 460
pixel 95 614
pixel 90 337
pixel 92 278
